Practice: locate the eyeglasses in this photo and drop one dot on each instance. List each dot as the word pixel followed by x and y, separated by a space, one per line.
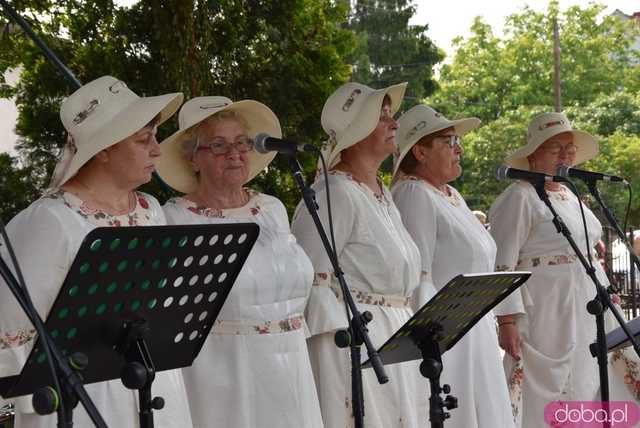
pixel 221 147
pixel 451 140
pixel 555 150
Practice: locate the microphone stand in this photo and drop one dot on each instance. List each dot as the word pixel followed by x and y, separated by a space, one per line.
pixel 595 306
pixel 358 332
pixel 593 189
pixel 72 386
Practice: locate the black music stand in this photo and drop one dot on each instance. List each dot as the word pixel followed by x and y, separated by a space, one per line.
pixel 618 339
pixel 441 323
pixel 138 300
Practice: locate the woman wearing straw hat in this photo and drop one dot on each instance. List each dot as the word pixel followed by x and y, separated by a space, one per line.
pixel 254 368
pixel 544 326
pixel 451 241
pixel 111 150
pixel 377 255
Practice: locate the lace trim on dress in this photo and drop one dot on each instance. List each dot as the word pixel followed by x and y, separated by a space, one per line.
pixel 251 208
pixel 16 338
pixel 382 198
pixel 139 216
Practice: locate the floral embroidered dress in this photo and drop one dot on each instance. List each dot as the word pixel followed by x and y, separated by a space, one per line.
pixel 550 307
pixel 382 267
pixel 254 369
pixel 46 237
pixel 452 241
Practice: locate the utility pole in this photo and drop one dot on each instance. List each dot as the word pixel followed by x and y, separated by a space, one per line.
pixel 556 65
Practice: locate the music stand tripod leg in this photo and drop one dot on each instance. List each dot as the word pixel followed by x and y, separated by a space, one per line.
pixel 139 372
pixel 431 368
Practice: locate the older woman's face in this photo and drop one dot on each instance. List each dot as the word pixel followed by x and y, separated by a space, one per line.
pixel 132 160
pixel 382 141
pixel 442 158
pixel 222 156
pixel 556 151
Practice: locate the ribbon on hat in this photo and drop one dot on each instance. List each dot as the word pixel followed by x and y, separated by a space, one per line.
pixel 328 147
pixel 62 165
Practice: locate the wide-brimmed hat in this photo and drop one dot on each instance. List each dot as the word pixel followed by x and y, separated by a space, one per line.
pixel 420 121
pixel 176 169
pixel 100 114
pixel 545 126
pixel 352 112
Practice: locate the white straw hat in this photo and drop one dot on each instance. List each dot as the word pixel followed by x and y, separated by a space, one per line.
pixel 176 169
pixel 545 126
pixel 100 114
pixel 352 112
pixel 420 121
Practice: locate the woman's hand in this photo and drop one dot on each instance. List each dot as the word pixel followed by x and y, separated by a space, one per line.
pixel 509 337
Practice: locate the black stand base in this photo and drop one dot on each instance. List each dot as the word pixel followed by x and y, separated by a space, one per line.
pixel 431 368
pixel 139 372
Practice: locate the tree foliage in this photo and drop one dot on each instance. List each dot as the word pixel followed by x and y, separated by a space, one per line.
pixel 390 50
pixel 490 76
pixel 508 80
pixel 285 53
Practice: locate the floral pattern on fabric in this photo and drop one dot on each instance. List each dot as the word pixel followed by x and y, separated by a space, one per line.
pixel 374 299
pixel 258 327
pixel 452 197
pixel 16 338
pixel 514 383
pixel 382 198
pixel 553 260
pixel 561 195
pixel 253 206
pixel 139 216
pixel 631 372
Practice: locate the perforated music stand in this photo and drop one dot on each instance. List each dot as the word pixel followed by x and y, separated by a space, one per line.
pixel 146 295
pixel 441 323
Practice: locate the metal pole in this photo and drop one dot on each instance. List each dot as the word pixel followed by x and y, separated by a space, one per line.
pixel 75 83
pixel 556 65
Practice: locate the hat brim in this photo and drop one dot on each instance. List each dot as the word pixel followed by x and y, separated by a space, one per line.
pixel 461 126
pixel 175 167
pixel 367 120
pixel 124 124
pixel 586 144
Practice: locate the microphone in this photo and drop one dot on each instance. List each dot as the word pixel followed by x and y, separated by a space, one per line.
pixel 264 143
pixel 588 176
pixel 503 172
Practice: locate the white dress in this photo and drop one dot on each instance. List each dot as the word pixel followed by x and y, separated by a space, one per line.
pixel 254 369
pixel 452 241
pixel 382 265
pixel 46 237
pixel 550 307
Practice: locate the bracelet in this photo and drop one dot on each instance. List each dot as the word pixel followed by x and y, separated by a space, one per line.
pixel 505 323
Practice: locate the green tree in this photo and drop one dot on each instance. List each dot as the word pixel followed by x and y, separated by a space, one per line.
pixel 17 190
pixel 490 76
pixel 390 50
pixel 286 53
pixel 507 80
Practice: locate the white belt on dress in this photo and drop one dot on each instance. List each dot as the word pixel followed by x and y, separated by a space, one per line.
pixel 368 298
pixel 248 327
pixel 552 260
